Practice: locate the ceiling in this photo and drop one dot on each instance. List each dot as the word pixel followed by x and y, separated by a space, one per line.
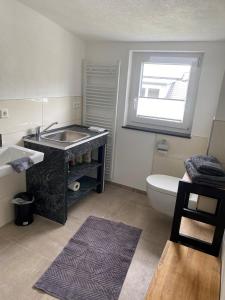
pixel 137 20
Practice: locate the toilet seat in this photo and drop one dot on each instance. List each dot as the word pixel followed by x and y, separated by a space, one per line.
pixel 164 184
pixel 169 185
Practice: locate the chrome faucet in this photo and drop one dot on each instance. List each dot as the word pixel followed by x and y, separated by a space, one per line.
pixel 39 132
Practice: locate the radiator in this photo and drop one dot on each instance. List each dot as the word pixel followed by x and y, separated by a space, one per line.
pixel 100 97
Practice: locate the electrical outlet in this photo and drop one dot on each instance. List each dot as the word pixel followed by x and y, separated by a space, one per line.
pixel 4 113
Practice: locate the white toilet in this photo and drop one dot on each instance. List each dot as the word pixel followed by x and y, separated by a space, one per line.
pixel 162 193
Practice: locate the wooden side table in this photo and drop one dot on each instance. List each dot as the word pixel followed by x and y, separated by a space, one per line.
pixel 185 274
pixel 181 210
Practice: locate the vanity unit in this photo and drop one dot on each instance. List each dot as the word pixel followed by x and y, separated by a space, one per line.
pixel 49 180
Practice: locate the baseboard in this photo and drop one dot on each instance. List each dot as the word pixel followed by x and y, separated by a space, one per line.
pixel 129 188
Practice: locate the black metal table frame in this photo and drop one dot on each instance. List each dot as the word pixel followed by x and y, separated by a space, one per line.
pixel 217 219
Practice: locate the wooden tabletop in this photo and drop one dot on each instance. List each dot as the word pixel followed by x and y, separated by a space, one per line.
pixel 185 274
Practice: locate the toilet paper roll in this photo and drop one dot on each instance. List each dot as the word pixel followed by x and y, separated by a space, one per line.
pixel 162 146
pixel 75 186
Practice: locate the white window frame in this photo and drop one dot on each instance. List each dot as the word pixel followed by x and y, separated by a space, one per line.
pixel 137 59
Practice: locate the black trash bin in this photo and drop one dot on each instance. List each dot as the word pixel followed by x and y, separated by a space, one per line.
pixel 23 205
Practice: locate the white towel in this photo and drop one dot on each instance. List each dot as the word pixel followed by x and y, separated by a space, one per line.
pixel 74 186
pixel 97 129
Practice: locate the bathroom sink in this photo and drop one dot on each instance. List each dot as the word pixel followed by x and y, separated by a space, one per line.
pixel 11 153
pixel 65 136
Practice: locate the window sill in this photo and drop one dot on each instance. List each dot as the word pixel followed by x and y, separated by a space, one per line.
pixel 159 131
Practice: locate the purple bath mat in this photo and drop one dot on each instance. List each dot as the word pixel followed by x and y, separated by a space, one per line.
pixel 94 264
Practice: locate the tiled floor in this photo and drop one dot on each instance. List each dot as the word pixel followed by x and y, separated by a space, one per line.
pixel 26 252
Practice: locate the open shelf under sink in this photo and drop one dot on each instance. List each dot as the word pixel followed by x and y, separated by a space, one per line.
pixel 79 171
pixel 86 185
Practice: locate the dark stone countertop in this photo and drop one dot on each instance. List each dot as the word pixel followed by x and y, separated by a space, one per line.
pixel 62 145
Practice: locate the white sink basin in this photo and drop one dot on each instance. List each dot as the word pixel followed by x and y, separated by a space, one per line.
pixel 11 153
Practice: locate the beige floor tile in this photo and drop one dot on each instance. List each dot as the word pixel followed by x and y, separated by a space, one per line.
pixel 148 252
pixel 35 294
pixel 20 269
pixel 141 216
pixel 104 205
pixel 73 224
pixel 157 228
pixel 83 209
pixel 4 245
pixel 26 252
pixel 12 232
pixel 47 242
pixel 127 195
pixel 137 281
pixel 108 207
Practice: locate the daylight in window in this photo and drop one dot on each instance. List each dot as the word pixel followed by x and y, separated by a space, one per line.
pixel 163 91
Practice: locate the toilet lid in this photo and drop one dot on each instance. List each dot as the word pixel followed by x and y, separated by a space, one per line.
pixel 164 183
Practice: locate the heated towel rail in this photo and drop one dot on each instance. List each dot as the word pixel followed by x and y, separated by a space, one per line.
pixel 100 97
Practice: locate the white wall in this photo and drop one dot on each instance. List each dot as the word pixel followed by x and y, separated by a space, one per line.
pixel 220 113
pixel 38 59
pixel 218 147
pixel 135 150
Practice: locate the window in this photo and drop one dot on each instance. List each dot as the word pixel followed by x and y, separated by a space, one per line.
pixel 162 91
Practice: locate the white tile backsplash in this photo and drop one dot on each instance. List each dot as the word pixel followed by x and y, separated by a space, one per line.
pixel 217 140
pixel 12 184
pixel 14 138
pixel 69 112
pixel 9 186
pixel 172 162
pixel 26 114
pixel 23 115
